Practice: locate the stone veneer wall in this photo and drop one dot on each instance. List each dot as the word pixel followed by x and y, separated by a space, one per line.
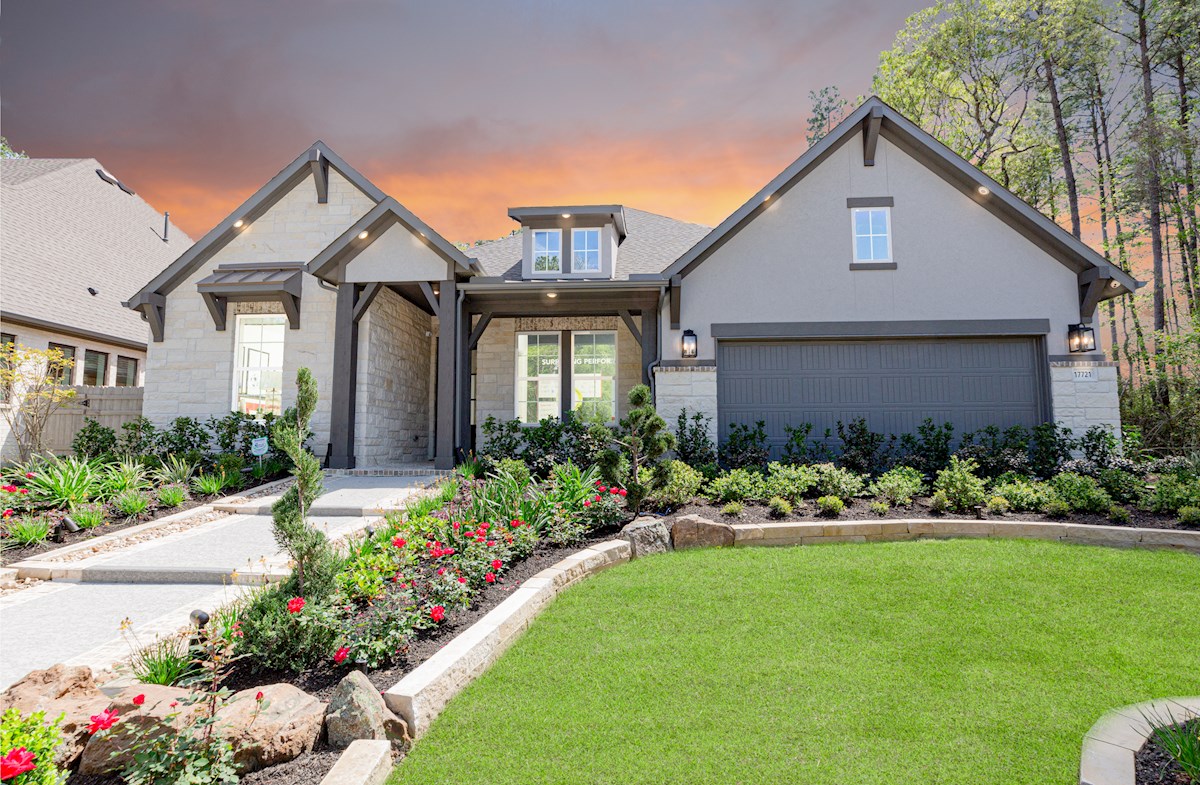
pixel 1084 393
pixel 392 405
pixel 495 359
pixel 690 387
pixel 190 372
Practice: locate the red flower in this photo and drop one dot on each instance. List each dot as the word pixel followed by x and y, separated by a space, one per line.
pixel 437 613
pixel 29 475
pixel 491 543
pixel 399 542
pixel 497 564
pixel 615 491
pixel 587 504
pixel 597 498
pixel 138 700
pixel 622 491
pixel 8 488
pixel 295 605
pixel 441 571
pixel 490 577
pixel 340 656
pixel 461 579
pixel 258 696
pixel 24 491
pixel 601 488
pixel 103 721
pixel 8 513
pixel 174 704
pixel 455 525
pixel 515 524
pixel 16 763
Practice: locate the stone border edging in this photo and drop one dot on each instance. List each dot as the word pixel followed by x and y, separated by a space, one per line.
pixel 423 692
pixel 365 762
pixel 812 533
pixel 1111 745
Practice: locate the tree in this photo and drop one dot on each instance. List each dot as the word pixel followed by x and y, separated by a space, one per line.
pixel 33 385
pixel 645 438
pixel 828 109
pixel 6 150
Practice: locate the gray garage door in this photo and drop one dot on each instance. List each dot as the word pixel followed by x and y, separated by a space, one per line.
pixel 894 384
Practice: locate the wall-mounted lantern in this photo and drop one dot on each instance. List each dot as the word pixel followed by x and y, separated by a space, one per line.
pixel 1081 338
pixel 689 348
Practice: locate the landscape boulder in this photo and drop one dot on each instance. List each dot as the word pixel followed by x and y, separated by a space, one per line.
pixel 60 690
pixel 357 711
pixel 646 535
pixel 692 531
pixel 286 723
pixel 137 706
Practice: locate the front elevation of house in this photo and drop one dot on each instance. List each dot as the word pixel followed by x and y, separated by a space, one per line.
pixel 879 276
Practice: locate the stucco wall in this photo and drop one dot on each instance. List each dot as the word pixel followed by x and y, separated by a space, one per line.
pixel 496 355
pixel 955 260
pixel 190 372
pixel 392 405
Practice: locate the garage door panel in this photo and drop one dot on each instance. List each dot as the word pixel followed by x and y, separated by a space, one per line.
pixel 893 384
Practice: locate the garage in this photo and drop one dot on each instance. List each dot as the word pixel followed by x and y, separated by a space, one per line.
pixel 893 383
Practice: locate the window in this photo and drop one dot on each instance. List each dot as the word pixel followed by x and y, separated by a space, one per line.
pixel 594 375
pixel 126 371
pixel 258 363
pixel 68 353
pixel 872 235
pixel 537 376
pixel 95 368
pixel 585 250
pixel 547 251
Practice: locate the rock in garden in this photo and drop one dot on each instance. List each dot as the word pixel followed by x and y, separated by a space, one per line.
pixel 692 531
pixel 137 706
pixel 286 723
pixel 646 536
pixel 357 711
pixel 69 691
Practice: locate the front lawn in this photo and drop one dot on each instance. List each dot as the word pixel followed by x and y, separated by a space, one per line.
pixel 916 662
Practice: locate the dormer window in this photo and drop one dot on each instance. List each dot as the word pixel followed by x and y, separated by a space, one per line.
pixel 547 251
pixel 585 250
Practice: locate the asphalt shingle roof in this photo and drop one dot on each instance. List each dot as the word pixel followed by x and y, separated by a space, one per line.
pixel 63 229
pixel 651 244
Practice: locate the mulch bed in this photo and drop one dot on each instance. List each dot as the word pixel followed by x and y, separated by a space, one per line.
pixel 859 510
pixel 1155 767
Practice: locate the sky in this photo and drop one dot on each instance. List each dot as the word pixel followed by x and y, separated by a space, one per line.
pixel 459 110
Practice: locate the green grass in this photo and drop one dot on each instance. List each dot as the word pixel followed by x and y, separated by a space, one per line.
pixel 925 662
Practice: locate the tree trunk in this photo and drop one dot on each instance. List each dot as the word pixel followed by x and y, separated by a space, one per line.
pixel 1064 145
pixel 1188 209
pixel 1103 200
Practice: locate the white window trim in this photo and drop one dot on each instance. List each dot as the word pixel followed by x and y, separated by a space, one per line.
pixel 599 249
pixel 237 335
pixel 616 368
pixel 854 211
pixel 533 252
pixel 520 378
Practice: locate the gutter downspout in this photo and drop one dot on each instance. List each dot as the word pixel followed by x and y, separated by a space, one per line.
pixel 458 367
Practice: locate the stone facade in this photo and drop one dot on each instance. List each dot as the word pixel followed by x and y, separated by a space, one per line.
pixel 1084 394
pixel 393 404
pixel 495 359
pixel 693 388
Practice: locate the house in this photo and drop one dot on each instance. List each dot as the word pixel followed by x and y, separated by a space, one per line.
pixel 878 276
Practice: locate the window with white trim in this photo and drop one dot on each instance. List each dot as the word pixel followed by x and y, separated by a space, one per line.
pixel 594 376
pixel 258 363
pixel 872 234
pixel 547 251
pixel 585 250
pixel 538 376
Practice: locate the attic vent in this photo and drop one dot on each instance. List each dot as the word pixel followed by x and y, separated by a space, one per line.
pixel 108 177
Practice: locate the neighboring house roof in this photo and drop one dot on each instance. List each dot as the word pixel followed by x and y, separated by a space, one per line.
pixel 652 242
pixel 64 228
pixel 876 117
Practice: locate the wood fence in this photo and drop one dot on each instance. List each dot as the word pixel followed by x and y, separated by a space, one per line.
pixel 110 406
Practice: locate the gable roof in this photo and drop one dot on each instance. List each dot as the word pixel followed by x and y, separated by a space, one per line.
pixel 64 229
pixel 873 115
pixel 651 243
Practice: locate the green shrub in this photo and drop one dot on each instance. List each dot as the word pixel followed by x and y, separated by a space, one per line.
pixel 514 468
pixel 208 484
pixel 779 507
pixel 1124 486
pixel 863 450
pixel 501 438
pixel 830 506
pixel 997 452
pixel 879 508
pixel 94 440
pixel 40 738
pixel 185 436
pixel 998 505
pixel 167 662
pixel 1082 494
pixel 1056 508
pixel 939 502
pixel 693 445
pixel 836 481
pixel 230 466
pixel 1173 492
pixel 172 495
pixel 929 449
pixel 1118 514
pixel 88 516
pixel 745 447
pixel 733 509
pixel 1022 493
pixel 678 485
pixel 1049 446
pixel 132 503
pixel 788 481
pixel 964 490
pixel 1189 516
pixel 898 486
pixel 138 439
pixel 799 449
pixel 738 485
pixel 26 531
pixel 274 638
pixel 64 482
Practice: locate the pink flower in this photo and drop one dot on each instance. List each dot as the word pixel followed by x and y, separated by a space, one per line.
pixel 174 704
pixel 29 475
pixel 138 700
pixel 490 577
pixel 15 763
pixel 258 696
pixel 399 542
pixel 340 656
pixel 497 564
pixel 455 526
pixel 461 579
pixel 295 604
pixel 103 721
pixel 8 513
pixel 437 613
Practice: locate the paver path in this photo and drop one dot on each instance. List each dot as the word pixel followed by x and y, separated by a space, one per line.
pixel 157 583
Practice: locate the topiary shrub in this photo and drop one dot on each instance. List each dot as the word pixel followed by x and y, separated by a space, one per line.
pixel 898 486
pixel 1082 494
pixel 738 485
pixel 788 481
pixel 830 506
pixel 644 438
pixel 963 489
pixel 836 481
pixel 780 508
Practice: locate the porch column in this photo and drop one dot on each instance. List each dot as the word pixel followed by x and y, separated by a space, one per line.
pixel 345 375
pixel 649 343
pixel 446 367
pixel 463 400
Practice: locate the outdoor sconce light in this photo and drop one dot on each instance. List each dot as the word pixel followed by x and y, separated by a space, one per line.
pixel 199 618
pixel 1081 338
pixel 689 348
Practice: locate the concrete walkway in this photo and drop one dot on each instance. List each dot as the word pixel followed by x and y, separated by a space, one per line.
pixel 157 583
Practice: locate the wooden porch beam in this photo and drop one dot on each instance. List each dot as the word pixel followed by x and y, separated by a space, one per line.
pixel 320 170
pixel 364 300
pixel 430 297
pixel 477 333
pixel 871 135
pixel 637 334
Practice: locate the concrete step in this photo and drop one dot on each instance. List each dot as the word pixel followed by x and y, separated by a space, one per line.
pixel 117 573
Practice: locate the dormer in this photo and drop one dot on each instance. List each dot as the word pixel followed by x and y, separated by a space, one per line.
pixel 570 242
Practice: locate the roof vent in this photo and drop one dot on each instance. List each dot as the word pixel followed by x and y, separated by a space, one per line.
pixel 92 291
